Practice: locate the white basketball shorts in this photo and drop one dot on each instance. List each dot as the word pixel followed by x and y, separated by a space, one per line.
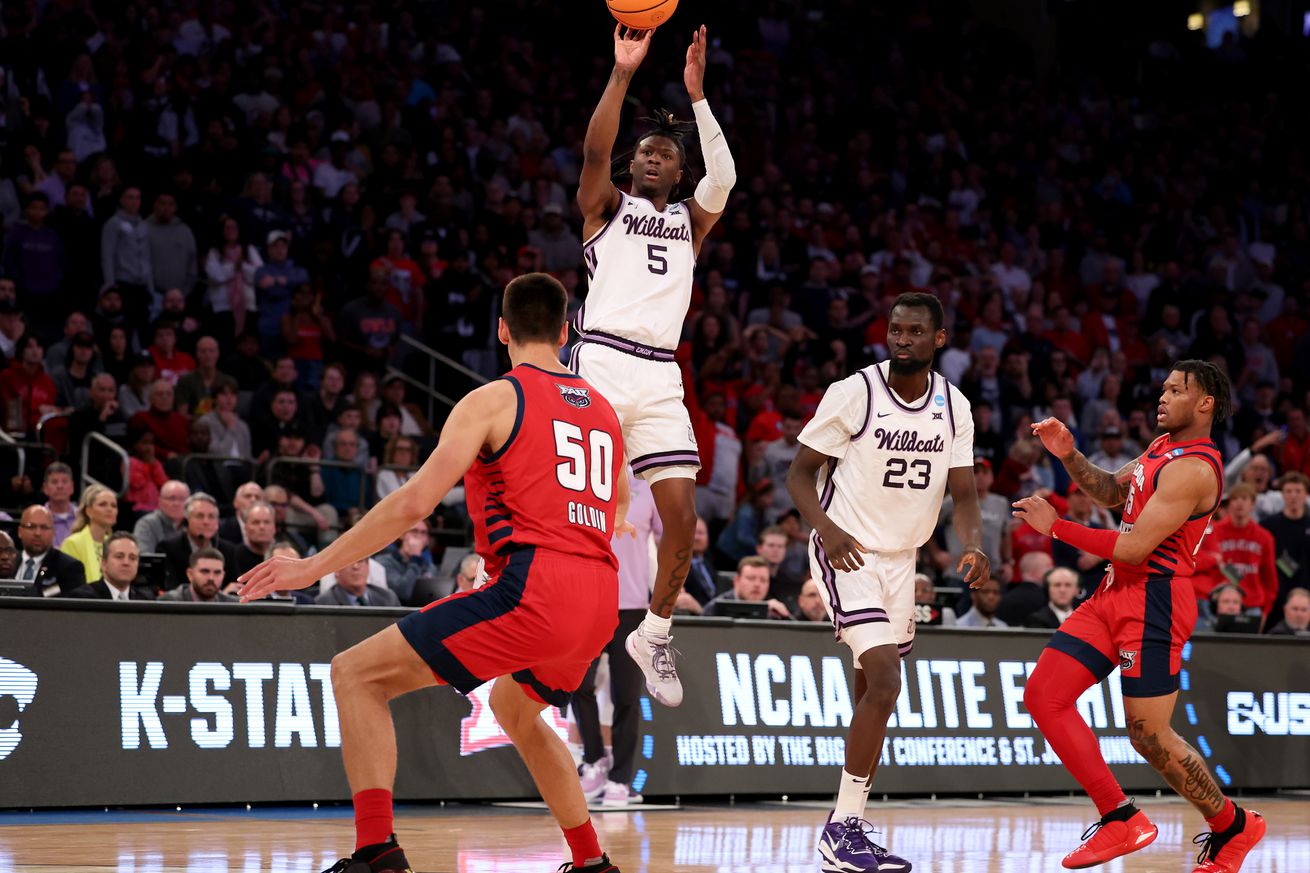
pixel 872 606
pixel 647 397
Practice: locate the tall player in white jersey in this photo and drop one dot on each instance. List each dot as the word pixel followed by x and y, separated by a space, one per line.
pixel 640 251
pixel 869 477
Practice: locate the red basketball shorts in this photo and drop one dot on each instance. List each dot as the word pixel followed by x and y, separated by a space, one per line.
pixel 1139 625
pixel 543 620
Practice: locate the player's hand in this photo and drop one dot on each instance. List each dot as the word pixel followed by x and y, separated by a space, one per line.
pixel 1039 514
pixel 625 528
pixel 980 567
pixel 693 75
pixel 843 550
pixel 1055 436
pixel 630 47
pixel 276 574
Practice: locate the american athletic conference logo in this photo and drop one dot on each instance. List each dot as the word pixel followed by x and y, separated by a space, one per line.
pixel 18 682
pixel 574 396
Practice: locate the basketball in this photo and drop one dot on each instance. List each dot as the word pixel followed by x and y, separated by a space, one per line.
pixel 642 14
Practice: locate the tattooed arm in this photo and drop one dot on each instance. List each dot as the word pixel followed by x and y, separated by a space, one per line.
pixel 1105 488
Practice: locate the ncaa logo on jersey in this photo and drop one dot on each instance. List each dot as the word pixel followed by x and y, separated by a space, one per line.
pixel 574 396
pixel 1127 659
pixel 939 400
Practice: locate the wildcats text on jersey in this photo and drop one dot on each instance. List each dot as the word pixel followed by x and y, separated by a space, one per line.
pixel 655 226
pixel 907 441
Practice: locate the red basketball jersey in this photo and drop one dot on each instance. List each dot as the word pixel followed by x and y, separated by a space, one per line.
pixel 553 483
pixel 1175 556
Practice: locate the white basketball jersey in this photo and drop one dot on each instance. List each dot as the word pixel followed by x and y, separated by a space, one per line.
pixel 885 483
pixel 639 267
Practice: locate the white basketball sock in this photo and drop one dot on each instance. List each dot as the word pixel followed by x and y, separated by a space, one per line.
pixel 850 796
pixel 655 625
pixel 864 797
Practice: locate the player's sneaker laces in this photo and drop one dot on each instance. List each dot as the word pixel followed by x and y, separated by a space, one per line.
pixel 601 866
pixel 1224 852
pixel 656 658
pixel 385 857
pixel 845 847
pixel 1119 832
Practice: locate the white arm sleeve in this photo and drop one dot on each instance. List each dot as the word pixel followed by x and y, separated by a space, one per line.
pixel 720 172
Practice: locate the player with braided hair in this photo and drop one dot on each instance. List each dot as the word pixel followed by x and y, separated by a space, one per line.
pixel 1139 619
pixel 640 251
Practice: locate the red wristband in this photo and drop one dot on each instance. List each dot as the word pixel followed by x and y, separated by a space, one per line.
pixel 1090 540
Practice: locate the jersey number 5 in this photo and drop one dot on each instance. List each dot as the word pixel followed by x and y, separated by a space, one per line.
pixel 574 449
pixel 655 255
pixel 895 477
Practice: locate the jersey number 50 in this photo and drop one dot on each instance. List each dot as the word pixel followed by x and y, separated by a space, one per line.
pixel 574 449
pixel 897 468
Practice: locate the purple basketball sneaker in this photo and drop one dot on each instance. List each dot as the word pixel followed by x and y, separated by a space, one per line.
pixel 846 848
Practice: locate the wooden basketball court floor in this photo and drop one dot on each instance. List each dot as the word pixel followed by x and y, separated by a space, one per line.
pixel 948 836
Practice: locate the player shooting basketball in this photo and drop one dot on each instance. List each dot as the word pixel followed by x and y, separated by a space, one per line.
pixel 640 253
pixel 1139 620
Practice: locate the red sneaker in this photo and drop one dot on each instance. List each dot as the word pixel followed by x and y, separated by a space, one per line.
pixel 1224 853
pixel 1119 832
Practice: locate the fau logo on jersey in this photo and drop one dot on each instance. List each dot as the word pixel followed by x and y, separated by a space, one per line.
pixel 576 397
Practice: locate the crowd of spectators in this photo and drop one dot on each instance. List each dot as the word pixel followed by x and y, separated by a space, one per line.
pixel 220 220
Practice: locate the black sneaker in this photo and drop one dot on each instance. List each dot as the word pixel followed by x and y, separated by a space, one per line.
pixel 601 866
pixel 385 857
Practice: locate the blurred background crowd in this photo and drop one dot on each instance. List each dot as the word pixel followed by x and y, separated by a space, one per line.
pixel 259 247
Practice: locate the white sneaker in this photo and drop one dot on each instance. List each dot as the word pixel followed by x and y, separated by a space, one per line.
pixel 618 794
pixel 656 657
pixel 593 778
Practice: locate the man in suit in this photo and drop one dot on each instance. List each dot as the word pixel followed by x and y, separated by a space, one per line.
pixel 204 575
pixel 51 572
pixel 258 530
pixel 1062 595
pixel 199 530
pixel 701 585
pixel 118 567
pixel 751 584
pixel 231 529
pixel 1025 596
pixel 352 589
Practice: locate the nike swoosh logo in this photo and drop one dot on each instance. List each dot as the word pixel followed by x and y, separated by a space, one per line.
pixel 1141 838
pixel 885 414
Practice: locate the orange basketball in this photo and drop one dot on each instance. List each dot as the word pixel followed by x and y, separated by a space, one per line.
pixel 642 14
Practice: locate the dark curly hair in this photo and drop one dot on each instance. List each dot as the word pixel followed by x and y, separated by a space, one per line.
pixel 1214 382
pixel 664 124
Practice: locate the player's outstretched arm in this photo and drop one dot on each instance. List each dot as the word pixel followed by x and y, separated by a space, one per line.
pixel 967 518
pixel 1105 488
pixel 597 196
pixel 843 550
pixel 466 431
pixel 1186 487
pixel 720 170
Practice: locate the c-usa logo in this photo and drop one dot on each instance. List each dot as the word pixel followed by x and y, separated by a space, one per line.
pixel 18 682
pixel 574 396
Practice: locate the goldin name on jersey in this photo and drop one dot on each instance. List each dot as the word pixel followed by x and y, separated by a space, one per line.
pixel 907 441
pixel 652 225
